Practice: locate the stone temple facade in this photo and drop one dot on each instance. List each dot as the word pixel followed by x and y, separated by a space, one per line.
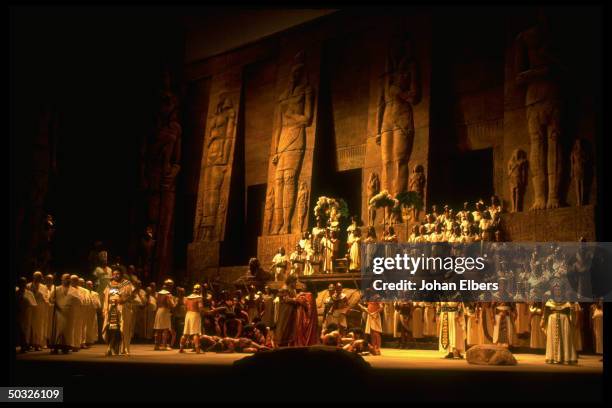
pixel 507 106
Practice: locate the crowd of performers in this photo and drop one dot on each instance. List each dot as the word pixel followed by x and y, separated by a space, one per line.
pixel 67 318
pixel 279 310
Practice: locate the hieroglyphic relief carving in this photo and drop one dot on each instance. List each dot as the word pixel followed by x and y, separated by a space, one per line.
pixel 400 90
pixel 539 69
pixel 373 189
pixel 302 204
pixel 218 147
pixel 517 178
pixel 293 115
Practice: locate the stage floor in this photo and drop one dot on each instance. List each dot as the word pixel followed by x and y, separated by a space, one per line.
pixel 390 359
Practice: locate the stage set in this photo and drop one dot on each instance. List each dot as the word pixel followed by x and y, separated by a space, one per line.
pixel 281 156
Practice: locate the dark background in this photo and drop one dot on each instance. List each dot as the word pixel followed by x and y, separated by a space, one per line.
pixel 101 69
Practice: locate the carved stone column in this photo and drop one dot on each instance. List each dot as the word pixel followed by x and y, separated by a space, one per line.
pixel 291 153
pixel 215 172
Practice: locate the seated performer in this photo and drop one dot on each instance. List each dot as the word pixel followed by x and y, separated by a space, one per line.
pixel 193 320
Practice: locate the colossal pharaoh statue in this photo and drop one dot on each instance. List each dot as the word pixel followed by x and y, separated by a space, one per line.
pixel 395 127
pixel 218 150
pixel 539 69
pixel 293 115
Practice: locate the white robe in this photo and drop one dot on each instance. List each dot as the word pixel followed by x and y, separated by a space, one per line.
pixel 67 300
pixel 91 336
pixel 597 317
pixel 451 334
pixel 49 318
pixel 40 317
pixel 559 334
pixel 26 306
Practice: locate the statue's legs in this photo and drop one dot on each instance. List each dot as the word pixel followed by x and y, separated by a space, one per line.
pixel 554 156
pixel 278 202
pixel 289 181
pixel 386 148
pixel 537 154
pixel 402 149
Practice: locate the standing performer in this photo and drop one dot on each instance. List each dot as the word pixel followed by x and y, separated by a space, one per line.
pixel 26 303
pixel 193 320
pixel 373 323
pixel 474 334
pixel 113 324
pixel 66 299
pixel 306 321
pixel 402 327
pixel 91 336
pixel 538 336
pixel 279 265
pixel 354 244
pixel 597 318
pixel 50 306
pixel 452 341
pixel 503 332
pixel 40 311
pixel 163 316
pixel 559 335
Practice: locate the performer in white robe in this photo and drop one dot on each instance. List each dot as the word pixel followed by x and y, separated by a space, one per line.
pixel 138 306
pixel 429 320
pixel 66 299
pixel 279 265
pixel 597 320
pixel 78 314
pixel 522 318
pixel 49 326
pixel 559 333
pixel 537 335
pixel 26 303
pixel 354 243
pixel 86 311
pixel 104 274
pixel 417 320
pixel 193 319
pixel 452 328
pixel 388 319
pixel 150 311
pixel 474 332
pixel 91 336
pixel 163 316
pixel 577 318
pixel 127 294
pixel 504 332
pixel 40 312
